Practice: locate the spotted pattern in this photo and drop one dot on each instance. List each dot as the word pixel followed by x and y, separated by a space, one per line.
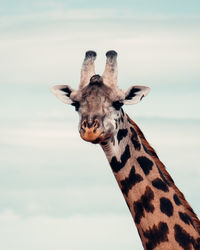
pixel 122 133
pixel 166 206
pixel 130 181
pixel 144 203
pixel 151 153
pixel 185 240
pixel 156 235
pixel 134 139
pixel 177 200
pixel 145 164
pixel 116 124
pixel 159 184
pixel 118 165
pixel 185 218
pixel 163 177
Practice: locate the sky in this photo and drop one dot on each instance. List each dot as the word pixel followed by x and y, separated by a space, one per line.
pixel 57 191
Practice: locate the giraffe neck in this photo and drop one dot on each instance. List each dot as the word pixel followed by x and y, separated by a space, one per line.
pixel 162 216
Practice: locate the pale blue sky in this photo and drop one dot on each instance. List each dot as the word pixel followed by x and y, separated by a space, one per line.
pixel 57 191
pixel 177 7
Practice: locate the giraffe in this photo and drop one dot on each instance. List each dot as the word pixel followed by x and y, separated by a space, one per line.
pixel 163 217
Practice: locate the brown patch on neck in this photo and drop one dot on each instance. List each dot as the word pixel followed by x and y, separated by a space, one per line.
pixel 166 175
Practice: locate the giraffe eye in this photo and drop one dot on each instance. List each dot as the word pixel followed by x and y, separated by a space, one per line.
pixel 76 104
pixel 117 105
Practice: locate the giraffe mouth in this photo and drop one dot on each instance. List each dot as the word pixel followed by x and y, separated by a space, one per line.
pixel 103 137
pixel 98 140
pixel 91 136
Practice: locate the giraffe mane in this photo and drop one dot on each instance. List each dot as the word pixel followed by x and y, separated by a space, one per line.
pixel 166 175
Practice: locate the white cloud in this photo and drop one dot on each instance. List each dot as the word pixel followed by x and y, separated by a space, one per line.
pixel 50 48
pixel 63 15
pixel 39 147
pixel 46 153
pixel 75 233
pixel 41 137
pixel 55 131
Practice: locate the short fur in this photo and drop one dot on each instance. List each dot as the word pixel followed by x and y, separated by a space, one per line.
pixel 168 177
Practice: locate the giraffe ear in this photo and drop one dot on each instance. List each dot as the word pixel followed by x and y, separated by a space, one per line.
pixel 135 94
pixel 63 93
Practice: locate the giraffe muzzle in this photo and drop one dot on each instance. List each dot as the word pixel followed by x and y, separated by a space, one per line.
pixel 91 132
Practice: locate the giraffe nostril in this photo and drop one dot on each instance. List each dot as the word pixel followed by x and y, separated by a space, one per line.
pixel 96 124
pixel 84 124
pixel 90 125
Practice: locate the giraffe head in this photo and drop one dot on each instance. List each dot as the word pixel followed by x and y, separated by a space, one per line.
pixel 98 100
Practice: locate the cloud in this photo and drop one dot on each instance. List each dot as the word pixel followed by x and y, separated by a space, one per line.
pixel 44 162
pixel 56 198
pixel 53 130
pixel 49 136
pixel 45 47
pixel 56 190
pixel 75 233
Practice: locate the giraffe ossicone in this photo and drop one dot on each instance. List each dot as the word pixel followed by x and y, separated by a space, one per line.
pixel 163 217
